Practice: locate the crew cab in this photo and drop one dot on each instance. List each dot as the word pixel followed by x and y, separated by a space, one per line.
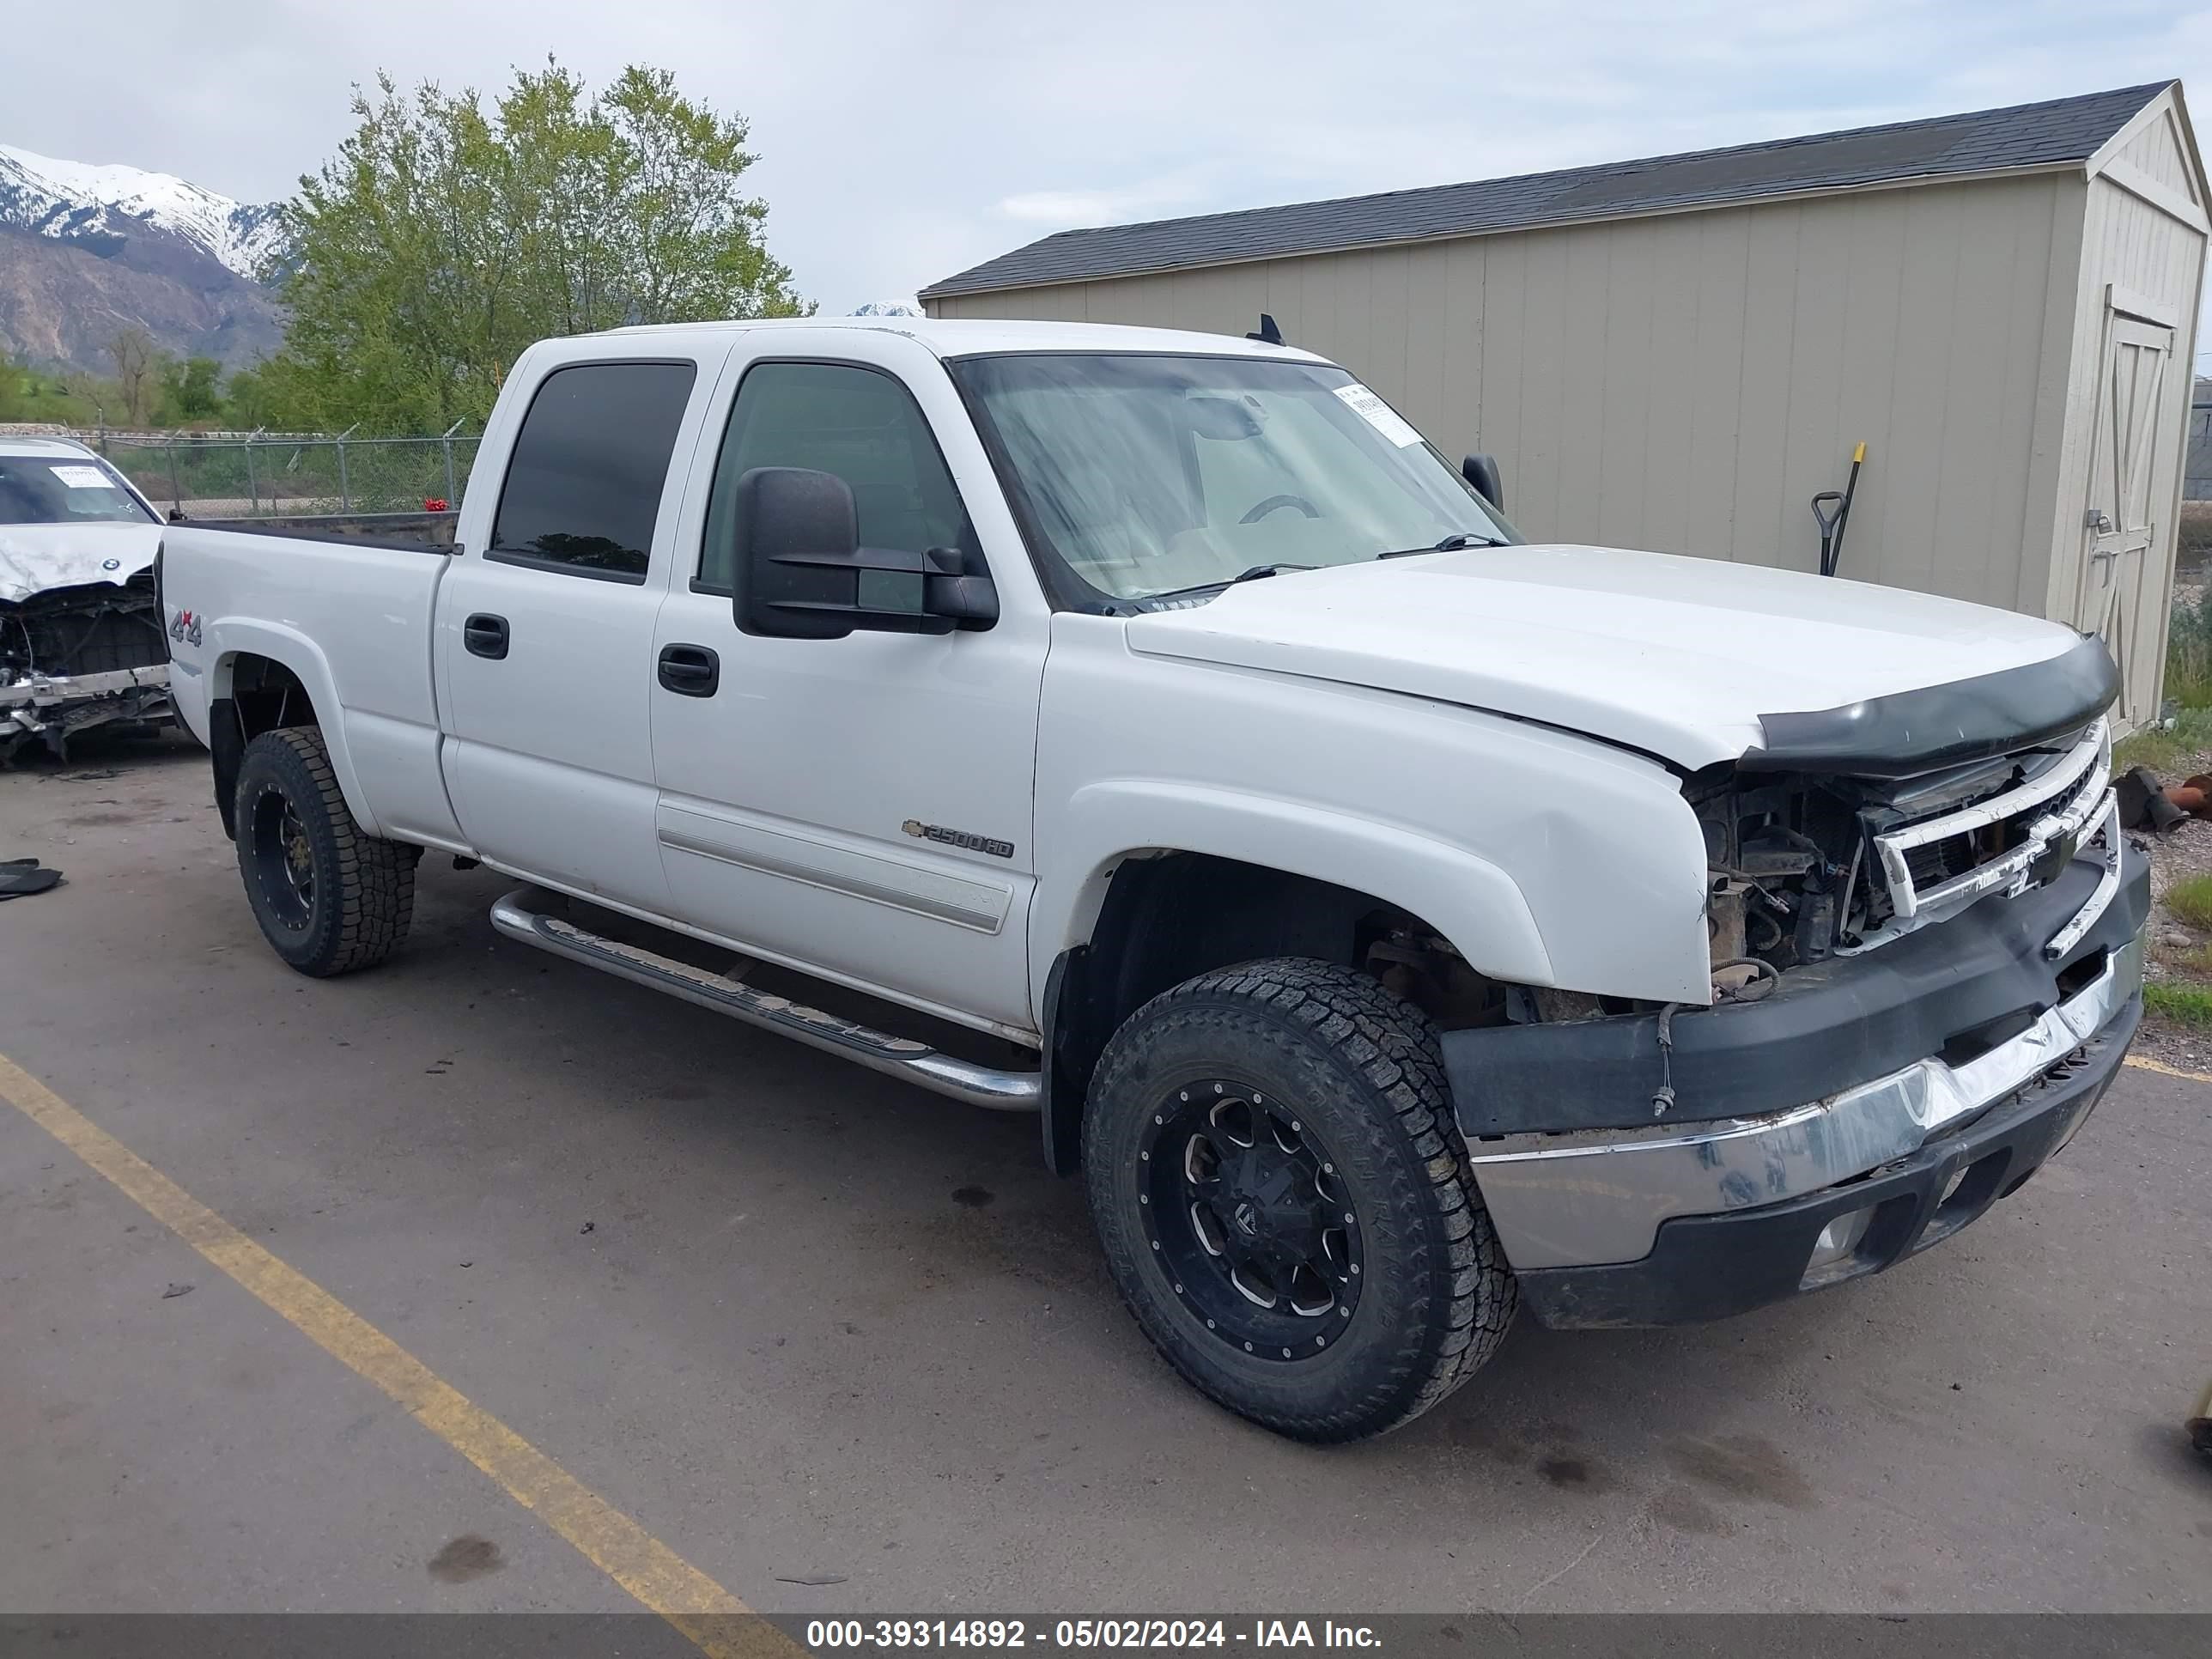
pixel 1395 922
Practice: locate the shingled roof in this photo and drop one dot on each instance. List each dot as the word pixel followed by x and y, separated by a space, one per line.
pixel 2025 136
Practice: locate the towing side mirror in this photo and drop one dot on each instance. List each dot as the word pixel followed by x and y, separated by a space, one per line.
pixel 801 573
pixel 1481 471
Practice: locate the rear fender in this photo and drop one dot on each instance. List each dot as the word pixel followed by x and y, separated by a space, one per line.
pixel 231 637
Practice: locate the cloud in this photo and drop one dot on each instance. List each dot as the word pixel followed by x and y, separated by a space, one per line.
pixel 1154 198
pixel 1079 207
pixel 903 140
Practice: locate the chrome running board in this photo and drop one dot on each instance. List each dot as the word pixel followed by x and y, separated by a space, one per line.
pixel 899 1057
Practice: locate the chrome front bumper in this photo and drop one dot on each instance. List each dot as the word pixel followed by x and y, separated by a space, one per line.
pixel 1599 1196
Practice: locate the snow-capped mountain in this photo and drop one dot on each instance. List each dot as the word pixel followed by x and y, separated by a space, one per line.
pixel 883 309
pixel 72 200
pixel 88 254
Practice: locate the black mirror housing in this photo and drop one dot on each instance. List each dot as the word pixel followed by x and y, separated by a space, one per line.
pixel 802 574
pixel 1481 471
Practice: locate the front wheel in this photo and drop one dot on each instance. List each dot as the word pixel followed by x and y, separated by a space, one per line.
pixel 330 898
pixel 1273 1174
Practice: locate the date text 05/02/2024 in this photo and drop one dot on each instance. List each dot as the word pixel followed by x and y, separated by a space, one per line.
pixel 831 1634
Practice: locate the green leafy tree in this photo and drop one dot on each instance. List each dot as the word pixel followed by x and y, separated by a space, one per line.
pixel 189 391
pixel 442 239
pixel 247 402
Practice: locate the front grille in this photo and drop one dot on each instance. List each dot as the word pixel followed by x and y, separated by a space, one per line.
pixel 93 629
pixel 2014 837
pixel 1935 866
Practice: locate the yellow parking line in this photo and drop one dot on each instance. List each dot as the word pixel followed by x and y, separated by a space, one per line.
pixel 656 1574
pixel 2164 1070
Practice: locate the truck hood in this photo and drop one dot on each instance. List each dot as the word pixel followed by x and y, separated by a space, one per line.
pixel 1678 657
pixel 37 557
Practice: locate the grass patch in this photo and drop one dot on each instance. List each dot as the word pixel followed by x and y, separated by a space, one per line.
pixel 2188 684
pixel 2191 900
pixel 2166 753
pixel 2189 653
pixel 2189 1005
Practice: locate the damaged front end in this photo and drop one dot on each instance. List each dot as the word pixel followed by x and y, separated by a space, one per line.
pixel 1925 976
pixel 1803 867
pixel 75 656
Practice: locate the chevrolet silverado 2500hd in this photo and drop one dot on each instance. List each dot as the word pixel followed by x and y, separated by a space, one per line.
pixel 1406 923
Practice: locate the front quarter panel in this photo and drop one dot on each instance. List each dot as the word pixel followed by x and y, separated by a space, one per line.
pixel 1545 858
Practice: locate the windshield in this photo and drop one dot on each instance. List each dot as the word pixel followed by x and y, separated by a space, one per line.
pixel 65 489
pixel 1149 475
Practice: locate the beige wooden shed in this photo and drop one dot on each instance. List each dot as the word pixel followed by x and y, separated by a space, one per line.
pixel 1678 353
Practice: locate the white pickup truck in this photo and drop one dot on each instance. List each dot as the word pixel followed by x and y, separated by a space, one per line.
pixel 1396 922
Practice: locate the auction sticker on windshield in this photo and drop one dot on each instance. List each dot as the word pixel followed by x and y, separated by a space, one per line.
pixel 1378 414
pixel 83 477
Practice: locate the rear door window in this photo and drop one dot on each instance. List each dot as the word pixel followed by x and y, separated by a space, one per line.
pixel 583 487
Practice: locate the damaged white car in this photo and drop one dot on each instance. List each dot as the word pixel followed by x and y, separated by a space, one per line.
pixel 81 640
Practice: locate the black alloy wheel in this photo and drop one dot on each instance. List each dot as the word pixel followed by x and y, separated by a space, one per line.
pixel 1250 1216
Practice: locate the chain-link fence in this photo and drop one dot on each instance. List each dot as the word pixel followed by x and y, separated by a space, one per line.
pixel 264 475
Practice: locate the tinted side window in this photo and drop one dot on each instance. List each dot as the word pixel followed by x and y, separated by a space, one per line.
pixel 583 488
pixel 861 425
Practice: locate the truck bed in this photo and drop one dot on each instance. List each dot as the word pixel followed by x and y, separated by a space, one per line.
pixel 358 613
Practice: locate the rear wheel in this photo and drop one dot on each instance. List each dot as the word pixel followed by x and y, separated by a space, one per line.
pixel 329 897
pixel 1274 1175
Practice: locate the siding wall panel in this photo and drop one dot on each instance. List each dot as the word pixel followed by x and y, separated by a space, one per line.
pixel 1686 382
pixel 1671 386
pixel 1715 386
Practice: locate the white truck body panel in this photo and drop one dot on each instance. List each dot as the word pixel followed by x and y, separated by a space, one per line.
pixel 1166 705
pixel 1377 725
pixel 361 648
pixel 1676 657
pixel 1509 837
pixel 782 801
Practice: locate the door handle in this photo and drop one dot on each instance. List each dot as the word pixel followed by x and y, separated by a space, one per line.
pixel 690 671
pixel 485 635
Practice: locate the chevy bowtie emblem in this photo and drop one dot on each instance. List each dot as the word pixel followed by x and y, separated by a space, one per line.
pixel 187 627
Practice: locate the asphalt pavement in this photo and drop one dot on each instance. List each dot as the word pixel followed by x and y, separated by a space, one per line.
pixel 844 1346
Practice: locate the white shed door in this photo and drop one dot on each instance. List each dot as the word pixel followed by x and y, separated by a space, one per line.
pixel 2120 528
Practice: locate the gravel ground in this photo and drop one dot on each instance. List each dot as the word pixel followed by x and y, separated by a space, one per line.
pixel 2179 952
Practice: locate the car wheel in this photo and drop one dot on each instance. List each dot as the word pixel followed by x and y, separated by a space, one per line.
pixel 1282 1197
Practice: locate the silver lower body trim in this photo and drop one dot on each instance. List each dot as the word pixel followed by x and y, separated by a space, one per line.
pixel 1585 1200
pixel 894 1056
pixel 43 690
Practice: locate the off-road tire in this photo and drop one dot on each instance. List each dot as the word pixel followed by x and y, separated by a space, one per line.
pixel 1360 1069
pixel 362 889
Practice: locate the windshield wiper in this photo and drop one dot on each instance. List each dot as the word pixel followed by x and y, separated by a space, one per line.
pixel 1253 575
pixel 1450 544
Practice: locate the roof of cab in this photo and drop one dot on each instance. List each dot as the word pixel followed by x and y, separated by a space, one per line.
pixel 977 337
pixel 54 447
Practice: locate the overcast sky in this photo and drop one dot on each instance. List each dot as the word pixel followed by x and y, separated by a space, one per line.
pixel 902 142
